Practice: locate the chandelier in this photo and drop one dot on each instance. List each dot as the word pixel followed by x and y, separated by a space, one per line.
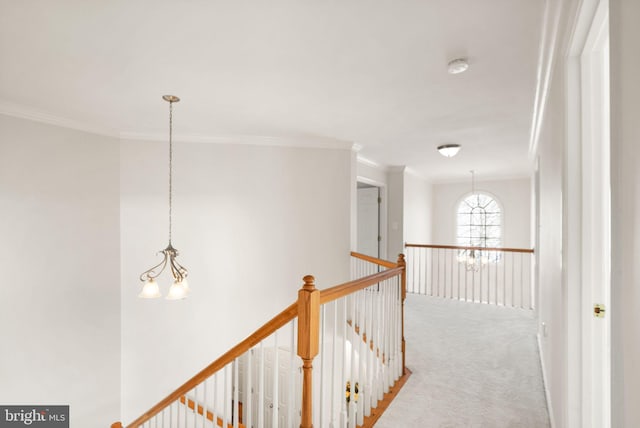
pixel 473 259
pixel 180 288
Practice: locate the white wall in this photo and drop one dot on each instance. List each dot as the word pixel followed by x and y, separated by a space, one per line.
pixel 513 195
pixel 249 222
pixel 625 182
pixel 59 304
pixel 625 238
pixel 417 210
pixel 551 288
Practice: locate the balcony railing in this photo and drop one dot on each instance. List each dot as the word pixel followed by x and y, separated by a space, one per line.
pixel 497 276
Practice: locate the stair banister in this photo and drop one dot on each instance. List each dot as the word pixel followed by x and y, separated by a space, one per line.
pixel 342 290
pixel 379 262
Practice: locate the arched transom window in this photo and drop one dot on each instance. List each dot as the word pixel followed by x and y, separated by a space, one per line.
pixel 479 221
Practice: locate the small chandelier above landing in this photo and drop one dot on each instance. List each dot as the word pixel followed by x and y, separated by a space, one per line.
pixel 180 288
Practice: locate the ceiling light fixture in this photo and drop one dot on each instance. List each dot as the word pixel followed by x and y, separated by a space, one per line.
pixel 180 288
pixel 449 150
pixel 457 66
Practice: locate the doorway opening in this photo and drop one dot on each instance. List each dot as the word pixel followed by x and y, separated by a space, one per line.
pixel 369 220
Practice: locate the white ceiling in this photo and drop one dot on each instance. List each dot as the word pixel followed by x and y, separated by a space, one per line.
pixel 370 72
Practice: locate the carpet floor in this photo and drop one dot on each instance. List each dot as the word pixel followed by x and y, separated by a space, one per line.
pixel 474 366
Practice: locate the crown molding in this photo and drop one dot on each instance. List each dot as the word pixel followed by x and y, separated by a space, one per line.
pixel 22 112
pixel 254 140
pixel 372 164
pixel 552 48
pixel 397 168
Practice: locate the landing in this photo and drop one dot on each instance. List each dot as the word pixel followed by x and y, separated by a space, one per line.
pixel 473 366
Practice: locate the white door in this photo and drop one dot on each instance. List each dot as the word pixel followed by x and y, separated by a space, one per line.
pixel 596 224
pixel 280 386
pixel 369 220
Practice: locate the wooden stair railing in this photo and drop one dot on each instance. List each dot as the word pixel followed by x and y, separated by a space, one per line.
pixel 307 309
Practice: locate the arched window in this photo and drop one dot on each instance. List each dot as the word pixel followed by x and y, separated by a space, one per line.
pixel 479 221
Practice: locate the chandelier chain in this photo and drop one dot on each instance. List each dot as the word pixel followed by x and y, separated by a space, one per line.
pixel 170 165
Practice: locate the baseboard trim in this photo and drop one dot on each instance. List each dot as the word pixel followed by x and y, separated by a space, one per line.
pixel 545 384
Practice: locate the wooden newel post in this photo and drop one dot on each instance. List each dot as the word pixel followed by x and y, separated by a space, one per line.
pixel 403 286
pixel 116 425
pixel 308 343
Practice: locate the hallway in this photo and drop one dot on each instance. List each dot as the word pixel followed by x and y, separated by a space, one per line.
pixel 473 366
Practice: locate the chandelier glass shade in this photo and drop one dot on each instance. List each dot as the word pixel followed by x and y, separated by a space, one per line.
pixel 473 260
pixel 180 288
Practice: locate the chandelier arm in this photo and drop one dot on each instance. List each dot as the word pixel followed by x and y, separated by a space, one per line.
pixel 179 272
pixel 150 274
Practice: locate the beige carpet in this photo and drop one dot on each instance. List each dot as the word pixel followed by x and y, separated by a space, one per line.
pixel 473 366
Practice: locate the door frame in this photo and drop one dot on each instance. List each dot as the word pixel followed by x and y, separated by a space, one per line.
pixel 583 103
pixel 382 216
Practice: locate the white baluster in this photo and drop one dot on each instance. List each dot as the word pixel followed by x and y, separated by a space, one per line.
pixel 334 364
pixel 215 398
pixel 323 313
pixel 261 388
pixel 521 281
pixel 225 397
pixel 291 406
pixel 344 377
pixel 247 409
pixel 236 393
pixel 276 381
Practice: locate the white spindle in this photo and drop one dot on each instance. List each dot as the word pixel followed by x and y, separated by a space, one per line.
pixel 344 376
pixel 294 379
pixel 276 382
pixel 521 282
pixel 247 409
pixel 261 387
pixel 335 392
pixel 216 397
pixel 323 368
pixel 236 393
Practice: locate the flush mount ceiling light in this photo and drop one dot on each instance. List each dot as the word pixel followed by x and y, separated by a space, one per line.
pixel 449 150
pixel 457 66
pixel 179 289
